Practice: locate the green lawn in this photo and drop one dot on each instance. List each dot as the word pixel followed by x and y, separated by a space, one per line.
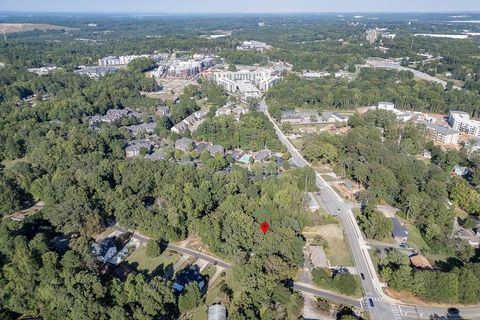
pixel 142 262
pixel 209 271
pixel 338 251
pixel 415 238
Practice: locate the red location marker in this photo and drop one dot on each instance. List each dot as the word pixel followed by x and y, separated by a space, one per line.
pixel 264 226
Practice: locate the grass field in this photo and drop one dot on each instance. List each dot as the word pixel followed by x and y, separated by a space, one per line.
pixel 415 238
pixel 338 251
pixel 150 265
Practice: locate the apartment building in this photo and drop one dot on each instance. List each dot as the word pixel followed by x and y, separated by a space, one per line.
pixel 441 134
pixel 461 121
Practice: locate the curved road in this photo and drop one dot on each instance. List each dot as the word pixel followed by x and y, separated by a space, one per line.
pixel 384 306
pixel 382 63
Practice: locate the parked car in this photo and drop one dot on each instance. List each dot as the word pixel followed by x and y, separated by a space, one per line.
pixel 362 275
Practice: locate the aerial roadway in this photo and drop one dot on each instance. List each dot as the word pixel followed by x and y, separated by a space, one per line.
pixel 381 306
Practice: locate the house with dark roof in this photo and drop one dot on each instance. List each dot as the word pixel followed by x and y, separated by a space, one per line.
pixel 104 250
pixel 399 232
pixel 188 275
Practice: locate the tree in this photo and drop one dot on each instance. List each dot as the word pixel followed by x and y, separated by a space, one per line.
pixel 153 249
pixel 190 298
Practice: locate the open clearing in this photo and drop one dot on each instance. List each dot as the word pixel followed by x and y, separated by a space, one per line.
pixel 338 251
pixel 23 27
pixel 143 262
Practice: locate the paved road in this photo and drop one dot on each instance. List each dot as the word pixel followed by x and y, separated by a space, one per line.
pixel 334 297
pixel 384 306
pixel 380 63
pixel 174 247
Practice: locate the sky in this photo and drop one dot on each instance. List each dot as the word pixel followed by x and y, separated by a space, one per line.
pixel 239 6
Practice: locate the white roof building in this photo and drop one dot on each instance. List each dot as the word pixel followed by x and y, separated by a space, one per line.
pixel 461 121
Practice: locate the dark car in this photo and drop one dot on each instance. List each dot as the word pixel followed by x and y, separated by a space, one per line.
pixel 362 275
pixel 371 302
pixel 453 312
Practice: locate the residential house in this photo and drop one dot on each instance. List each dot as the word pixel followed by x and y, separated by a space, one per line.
pixel 216 150
pixel 217 312
pixel 135 147
pixel 190 122
pixel 460 171
pixel 156 156
pixel 427 154
pixel 141 128
pixel 184 144
pixel 104 250
pixel 262 156
pixel 188 275
pixel 399 232
pixel 420 262
pixel 162 111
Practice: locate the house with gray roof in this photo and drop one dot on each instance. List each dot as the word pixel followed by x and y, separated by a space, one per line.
pixel 184 144
pixel 162 111
pixel 135 147
pixel 399 232
pixel 216 150
pixel 262 156
pixel 143 127
pixel 156 156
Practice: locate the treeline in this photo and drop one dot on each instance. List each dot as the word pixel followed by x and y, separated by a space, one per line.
pixel 370 87
pixel 459 284
pixel 345 283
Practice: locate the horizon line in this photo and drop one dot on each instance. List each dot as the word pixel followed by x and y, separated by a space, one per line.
pixel 237 13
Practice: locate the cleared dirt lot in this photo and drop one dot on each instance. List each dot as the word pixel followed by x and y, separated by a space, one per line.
pixel 22 27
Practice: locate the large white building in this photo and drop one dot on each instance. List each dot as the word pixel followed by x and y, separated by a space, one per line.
pixel 253 45
pixel 250 83
pixel 461 121
pixel 117 61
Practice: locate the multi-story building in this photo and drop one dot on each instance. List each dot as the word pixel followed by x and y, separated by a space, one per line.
pixel 116 61
pixel 253 45
pixel 190 68
pixel 461 121
pixel 442 134
pixel 371 35
pixel 250 83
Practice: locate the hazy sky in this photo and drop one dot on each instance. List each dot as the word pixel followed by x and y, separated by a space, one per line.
pixel 239 6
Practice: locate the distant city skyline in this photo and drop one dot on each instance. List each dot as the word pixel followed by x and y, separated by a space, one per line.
pixel 245 6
